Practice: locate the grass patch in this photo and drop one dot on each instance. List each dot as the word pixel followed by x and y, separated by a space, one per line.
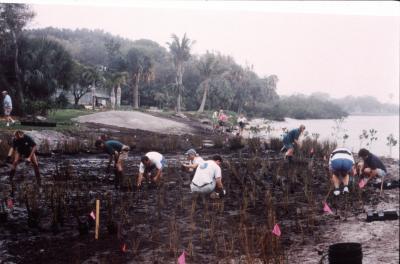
pixel 65 115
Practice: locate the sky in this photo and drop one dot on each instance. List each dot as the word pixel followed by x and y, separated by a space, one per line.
pixel 341 48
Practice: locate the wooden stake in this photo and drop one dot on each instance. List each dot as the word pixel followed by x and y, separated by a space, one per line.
pixel 97 219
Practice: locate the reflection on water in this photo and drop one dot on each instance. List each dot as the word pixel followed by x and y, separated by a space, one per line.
pixel 352 126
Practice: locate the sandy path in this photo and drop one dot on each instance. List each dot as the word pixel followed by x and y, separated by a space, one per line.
pixel 137 120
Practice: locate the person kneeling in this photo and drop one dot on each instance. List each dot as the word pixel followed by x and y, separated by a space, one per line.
pixel 372 166
pixel 341 164
pixel 208 178
pixel 150 162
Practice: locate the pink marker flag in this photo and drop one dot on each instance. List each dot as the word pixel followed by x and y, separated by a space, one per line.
pixel 327 209
pixel 182 259
pixel 10 203
pixel 123 248
pixel 93 215
pixel 276 231
pixel 362 183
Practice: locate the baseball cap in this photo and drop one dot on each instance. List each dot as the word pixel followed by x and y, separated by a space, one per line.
pixel 191 152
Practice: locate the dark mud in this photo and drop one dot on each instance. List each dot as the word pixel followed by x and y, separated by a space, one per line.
pixel 157 224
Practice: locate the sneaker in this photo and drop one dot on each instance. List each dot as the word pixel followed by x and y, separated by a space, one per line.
pixel 283 149
pixel 336 192
pixel 8 124
pixel 346 189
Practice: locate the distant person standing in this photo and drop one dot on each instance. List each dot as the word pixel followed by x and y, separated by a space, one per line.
pixel 214 119
pixel 372 166
pixel 7 106
pixel 341 164
pixel 23 146
pixel 222 119
pixel 242 123
pixel 150 167
pixel 290 139
pixel 118 152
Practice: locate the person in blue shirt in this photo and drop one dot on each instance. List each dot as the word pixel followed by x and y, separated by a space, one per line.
pixel 118 152
pixel 372 165
pixel 290 139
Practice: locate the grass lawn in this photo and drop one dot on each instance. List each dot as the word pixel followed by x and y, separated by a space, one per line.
pixel 61 116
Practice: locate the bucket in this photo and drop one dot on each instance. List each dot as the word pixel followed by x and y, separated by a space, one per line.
pixel 345 253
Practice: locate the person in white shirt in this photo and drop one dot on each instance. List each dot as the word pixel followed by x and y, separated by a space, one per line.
pixel 7 106
pixel 341 164
pixel 150 162
pixel 194 160
pixel 208 178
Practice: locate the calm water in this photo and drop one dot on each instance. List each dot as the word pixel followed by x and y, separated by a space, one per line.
pixel 352 126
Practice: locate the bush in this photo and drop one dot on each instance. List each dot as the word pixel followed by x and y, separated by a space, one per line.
pixel 37 107
pixel 62 101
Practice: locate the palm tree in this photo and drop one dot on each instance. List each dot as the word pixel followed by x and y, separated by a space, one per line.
pixel 141 69
pixel 180 50
pixel 207 67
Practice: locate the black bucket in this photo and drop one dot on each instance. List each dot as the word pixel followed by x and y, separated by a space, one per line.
pixel 345 253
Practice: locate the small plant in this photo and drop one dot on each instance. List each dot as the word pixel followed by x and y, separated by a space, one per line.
pixel 338 132
pixel 391 142
pixel 372 137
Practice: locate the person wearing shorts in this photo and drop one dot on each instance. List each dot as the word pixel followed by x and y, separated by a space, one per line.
pixel 23 147
pixel 372 166
pixel 341 165
pixel 118 152
pixel 241 122
pixel 290 139
pixel 7 107
pixel 151 166
pixel 208 178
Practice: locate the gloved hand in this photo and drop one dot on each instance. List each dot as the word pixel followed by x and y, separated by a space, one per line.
pixel 221 193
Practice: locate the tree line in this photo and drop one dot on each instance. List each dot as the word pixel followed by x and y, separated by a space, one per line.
pixel 36 63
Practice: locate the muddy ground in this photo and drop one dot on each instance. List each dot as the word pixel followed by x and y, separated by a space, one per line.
pixel 154 225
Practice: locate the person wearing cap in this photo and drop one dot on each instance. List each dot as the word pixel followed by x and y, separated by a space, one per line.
pixel 372 166
pixel 151 166
pixel 290 139
pixel 194 160
pixel 208 178
pixel 23 146
pixel 341 165
pixel 7 106
pixel 118 152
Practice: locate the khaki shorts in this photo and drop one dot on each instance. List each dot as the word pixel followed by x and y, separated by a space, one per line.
pixel 7 111
pixel 123 155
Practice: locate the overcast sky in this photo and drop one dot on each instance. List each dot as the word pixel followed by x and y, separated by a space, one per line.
pixel 340 48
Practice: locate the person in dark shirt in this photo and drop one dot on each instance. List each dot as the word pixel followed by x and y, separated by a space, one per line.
pixel 290 139
pixel 372 166
pixel 118 152
pixel 23 146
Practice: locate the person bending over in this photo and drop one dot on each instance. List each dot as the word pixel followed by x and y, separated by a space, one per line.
pixel 23 147
pixel 208 178
pixel 341 164
pixel 151 166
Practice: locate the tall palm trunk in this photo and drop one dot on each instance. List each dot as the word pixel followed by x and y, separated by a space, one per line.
pixel 136 80
pixel 18 85
pixel 179 83
pixel 203 101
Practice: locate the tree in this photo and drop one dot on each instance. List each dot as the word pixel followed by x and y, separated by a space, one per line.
pixel 13 18
pixel 180 50
pixel 140 67
pixel 208 68
pixel 45 66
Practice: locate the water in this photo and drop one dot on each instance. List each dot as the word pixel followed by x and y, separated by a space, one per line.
pixel 352 126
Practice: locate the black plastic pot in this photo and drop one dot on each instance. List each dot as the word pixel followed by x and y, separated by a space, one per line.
pixel 38 123
pixel 345 253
